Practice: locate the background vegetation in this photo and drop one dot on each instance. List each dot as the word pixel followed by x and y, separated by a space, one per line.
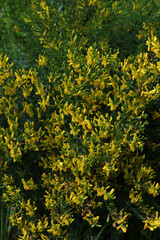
pixel 79 124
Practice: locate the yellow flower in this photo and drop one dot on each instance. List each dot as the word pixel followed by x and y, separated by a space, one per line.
pixel 44 237
pixel 32 227
pixel 30 209
pixel 124 229
pixel 42 61
pixel 29 185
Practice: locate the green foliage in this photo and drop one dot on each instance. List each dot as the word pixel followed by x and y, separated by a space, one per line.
pixel 79 157
pixel 16 38
pixel 5 225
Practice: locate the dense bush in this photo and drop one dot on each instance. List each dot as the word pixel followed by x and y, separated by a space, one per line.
pixel 79 157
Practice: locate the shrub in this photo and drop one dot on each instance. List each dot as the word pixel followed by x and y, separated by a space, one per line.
pixel 73 131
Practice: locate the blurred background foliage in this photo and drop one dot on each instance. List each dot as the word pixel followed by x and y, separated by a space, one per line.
pixel 16 39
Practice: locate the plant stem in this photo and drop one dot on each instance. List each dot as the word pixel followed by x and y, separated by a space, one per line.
pixel 100 232
pixel 2 216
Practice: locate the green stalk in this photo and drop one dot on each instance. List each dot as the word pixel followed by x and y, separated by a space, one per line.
pixel 2 216
pixel 100 232
pixel 7 224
